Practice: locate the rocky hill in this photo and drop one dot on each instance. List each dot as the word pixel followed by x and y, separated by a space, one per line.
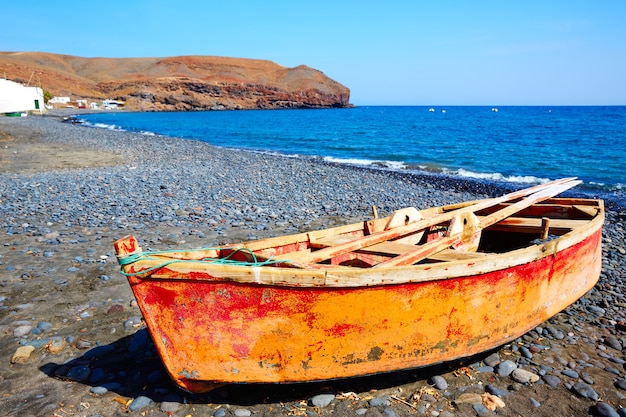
pixel 177 83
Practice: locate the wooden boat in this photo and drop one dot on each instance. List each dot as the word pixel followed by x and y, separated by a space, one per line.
pixel 408 290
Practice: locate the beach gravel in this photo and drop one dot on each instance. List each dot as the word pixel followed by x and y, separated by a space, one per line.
pixel 72 341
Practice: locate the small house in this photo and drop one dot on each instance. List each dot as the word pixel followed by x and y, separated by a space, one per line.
pixel 15 97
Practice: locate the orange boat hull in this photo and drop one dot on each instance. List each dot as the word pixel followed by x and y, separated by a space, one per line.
pixel 209 331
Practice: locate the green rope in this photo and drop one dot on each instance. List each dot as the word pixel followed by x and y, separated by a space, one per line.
pixel 127 260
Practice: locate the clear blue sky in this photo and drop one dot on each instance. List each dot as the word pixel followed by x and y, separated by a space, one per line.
pixel 392 52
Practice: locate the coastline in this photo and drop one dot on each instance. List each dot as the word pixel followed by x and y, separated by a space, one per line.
pixel 523 145
pixel 61 212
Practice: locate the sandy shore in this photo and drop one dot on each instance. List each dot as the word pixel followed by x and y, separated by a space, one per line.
pixel 67 192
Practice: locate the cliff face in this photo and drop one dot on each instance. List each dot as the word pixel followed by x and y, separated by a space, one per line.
pixel 177 83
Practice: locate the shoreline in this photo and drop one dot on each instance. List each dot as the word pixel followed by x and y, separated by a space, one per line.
pixel 613 200
pixel 61 283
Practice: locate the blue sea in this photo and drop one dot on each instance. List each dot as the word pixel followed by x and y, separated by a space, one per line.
pixel 517 145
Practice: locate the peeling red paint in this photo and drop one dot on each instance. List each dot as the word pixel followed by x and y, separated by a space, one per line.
pixel 341 329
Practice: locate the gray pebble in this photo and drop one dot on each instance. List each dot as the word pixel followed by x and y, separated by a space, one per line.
pixel 571 373
pixel 596 310
pixel 621 384
pixel 523 376
pixel 499 392
pixel 605 410
pixel 131 322
pixel 37 344
pixel 535 403
pixel 525 352
pixel 613 342
pixel 587 378
pixel 99 390
pixel 428 398
pixel 242 412
pixel 380 401
pixel 481 409
pixel 439 382
pixel 44 326
pixel 139 403
pixel 585 391
pixel 22 331
pixel 220 412
pixel 388 412
pixel 551 380
pixel 169 407
pixel 613 370
pixel 322 400
pixel 505 368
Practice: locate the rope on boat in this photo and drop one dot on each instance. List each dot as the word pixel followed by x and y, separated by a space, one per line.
pixel 142 256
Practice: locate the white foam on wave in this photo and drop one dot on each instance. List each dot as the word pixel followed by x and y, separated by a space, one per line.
pixel 396 165
pixel 496 176
pixel 114 127
pixel 617 187
pixel 103 126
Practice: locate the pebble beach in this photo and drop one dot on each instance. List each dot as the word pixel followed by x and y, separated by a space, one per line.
pixel 72 341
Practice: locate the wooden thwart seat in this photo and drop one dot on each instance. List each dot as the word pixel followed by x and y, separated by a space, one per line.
pixel 534 225
pixel 393 248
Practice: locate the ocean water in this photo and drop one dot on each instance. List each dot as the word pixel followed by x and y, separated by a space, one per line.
pixel 522 145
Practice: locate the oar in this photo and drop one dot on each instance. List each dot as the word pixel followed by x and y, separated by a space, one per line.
pixel 394 233
pixel 429 249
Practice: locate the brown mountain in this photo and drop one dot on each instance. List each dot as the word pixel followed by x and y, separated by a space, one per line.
pixel 177 83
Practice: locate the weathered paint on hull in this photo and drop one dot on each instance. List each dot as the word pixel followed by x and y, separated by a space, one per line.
pixel 211 331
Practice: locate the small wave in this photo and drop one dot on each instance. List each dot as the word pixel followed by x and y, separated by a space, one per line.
pixel 496 176
pixel 264 152
pixel 102 126
pixel 617 187
pixel 113 127
pixel 394 165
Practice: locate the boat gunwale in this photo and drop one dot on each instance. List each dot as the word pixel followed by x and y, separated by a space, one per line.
pixel 337 276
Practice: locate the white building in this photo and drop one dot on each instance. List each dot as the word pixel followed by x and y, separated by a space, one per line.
pixel 59 100
pixel 109 104
pixel 15 97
